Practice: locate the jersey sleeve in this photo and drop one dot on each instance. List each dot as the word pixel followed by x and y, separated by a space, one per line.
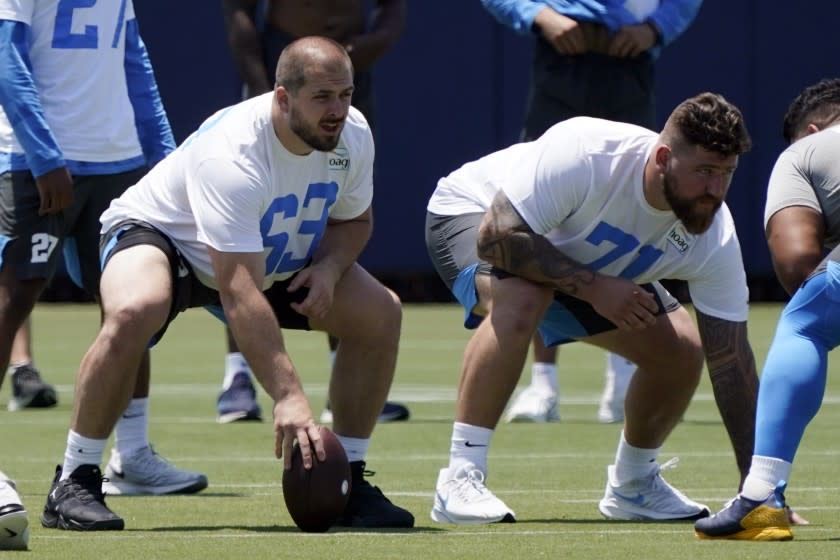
pixel 357 194
pixel 226 202
pixel 789 185
pixel 17 10
pixel 720 289
pixel 548 184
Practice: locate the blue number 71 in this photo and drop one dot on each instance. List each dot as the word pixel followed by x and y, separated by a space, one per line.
pixel 624 244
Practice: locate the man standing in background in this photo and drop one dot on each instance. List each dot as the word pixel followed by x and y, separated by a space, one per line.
pixel 593 58
pixel 258 30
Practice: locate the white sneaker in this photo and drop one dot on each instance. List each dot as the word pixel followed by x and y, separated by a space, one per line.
pixel 619 372
pixel 534 404
pixel 146 472
pixel 648 498
pixel 463 499
pixel 14 523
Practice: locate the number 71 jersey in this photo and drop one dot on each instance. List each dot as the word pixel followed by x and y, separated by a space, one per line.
pixel 77 60
pixel 234 187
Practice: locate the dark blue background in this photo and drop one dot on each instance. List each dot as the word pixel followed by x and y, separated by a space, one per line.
pixel 454 89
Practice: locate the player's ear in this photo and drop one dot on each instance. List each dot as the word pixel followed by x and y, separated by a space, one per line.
pixel 662 157
pixel 281 96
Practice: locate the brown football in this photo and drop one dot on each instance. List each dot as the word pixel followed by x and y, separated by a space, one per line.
pixel 316 497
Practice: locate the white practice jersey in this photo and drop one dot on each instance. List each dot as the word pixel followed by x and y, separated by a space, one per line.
pixel 581 185
pixel 233 186
pixel 92 119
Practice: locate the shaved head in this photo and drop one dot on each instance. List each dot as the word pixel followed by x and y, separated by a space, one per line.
pixel 306 56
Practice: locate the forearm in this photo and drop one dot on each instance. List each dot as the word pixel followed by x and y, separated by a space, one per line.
pixel 150 119
pixel 734 380
pixel 22 103
pixel 258 335
pixel 342 244
pixel 244 42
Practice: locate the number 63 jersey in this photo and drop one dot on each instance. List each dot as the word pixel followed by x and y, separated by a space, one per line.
pixel 581 186
pixel 233 186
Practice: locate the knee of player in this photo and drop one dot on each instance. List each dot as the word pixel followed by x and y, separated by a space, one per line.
pixel 520 310
pixel 134 318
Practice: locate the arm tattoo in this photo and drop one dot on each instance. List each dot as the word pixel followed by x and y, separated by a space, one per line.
pixel 507 242
pixel 734 381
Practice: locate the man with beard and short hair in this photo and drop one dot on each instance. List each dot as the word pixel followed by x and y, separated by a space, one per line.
pixel 570 235
pixel 260 216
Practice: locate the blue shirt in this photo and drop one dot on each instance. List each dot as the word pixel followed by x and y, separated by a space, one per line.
pixel 671 17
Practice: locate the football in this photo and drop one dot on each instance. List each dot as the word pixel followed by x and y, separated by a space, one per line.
pixel 316 497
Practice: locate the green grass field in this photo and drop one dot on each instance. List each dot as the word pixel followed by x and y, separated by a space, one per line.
pixel 551 475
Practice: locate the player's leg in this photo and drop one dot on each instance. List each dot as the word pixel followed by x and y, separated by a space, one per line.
pixel 617 378
pixel 791 392
pixel 238 398
pixel 538 401
pixel 28 388
pixel 659 393
pixel 136 298
pixel 366 317
pixel 29 246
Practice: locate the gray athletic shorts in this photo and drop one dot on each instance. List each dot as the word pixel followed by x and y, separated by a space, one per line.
pixel 188 291
pixel 31 243
pixel 452 245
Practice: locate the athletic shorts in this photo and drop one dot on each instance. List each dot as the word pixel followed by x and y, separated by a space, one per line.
pixel 31 243
pixel 188 291
pixel 452 245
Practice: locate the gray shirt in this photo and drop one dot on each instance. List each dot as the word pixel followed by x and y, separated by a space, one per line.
pixel 808 174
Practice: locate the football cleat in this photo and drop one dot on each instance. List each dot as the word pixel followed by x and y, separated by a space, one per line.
pixel 29 390
pixel 147 473
pixel 648 498
pixel 749 520
pixel 534 404
pixel 239 401
pixel 14 523
pixel 368 507
pixel 463 499
pixel 78 504
pixel 391 412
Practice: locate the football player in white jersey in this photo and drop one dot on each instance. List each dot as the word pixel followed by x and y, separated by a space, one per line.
pixel 80 121
pixel 259 215
pixel 570 234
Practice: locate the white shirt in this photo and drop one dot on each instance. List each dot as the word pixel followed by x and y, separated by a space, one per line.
pixel 234 187
pixel 581 185
pixel 92 120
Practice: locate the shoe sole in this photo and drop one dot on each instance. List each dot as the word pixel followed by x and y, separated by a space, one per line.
pixel 439 514
pixel 121 488
pixel 238 416
pixel 52 520
pixel 14 530
pixel 757 534
pixel 616 513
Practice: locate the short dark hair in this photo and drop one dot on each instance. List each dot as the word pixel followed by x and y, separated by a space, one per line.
pixel 710 121
pixel 818 104
pixel 299 56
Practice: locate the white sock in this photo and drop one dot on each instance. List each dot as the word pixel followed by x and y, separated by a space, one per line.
pixel 132 430
pixel 544 376
pixel 469 445
pixel 765 474
pixel 332 359
pixel 632 463
pixel 234 363
pixel 81 451
pixel 356 448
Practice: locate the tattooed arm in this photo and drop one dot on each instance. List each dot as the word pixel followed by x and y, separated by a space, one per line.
pixel 507 242
pixel 731 364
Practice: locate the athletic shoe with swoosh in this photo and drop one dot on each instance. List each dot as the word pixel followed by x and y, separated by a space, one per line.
pixel 14 523
pixel 648 498
pixel 462 498
pixel 743 519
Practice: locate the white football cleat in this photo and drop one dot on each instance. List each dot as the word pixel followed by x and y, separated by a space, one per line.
pixel 463 499
pixel 14 523
pixel 534 404
pixel 649 498
pixel 147 473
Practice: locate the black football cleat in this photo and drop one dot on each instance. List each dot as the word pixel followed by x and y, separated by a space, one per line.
pixel 368 507
pixel 78 504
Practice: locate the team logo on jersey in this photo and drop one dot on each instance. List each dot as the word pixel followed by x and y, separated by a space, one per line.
pixel 339 160
pixel 680 238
